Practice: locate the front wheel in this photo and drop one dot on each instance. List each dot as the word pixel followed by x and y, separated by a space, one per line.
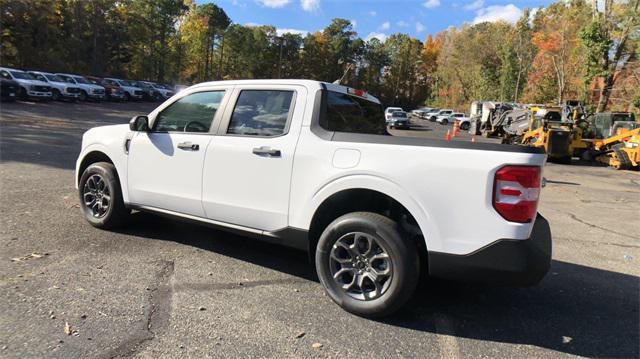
pixel 444 122
pixel 101 196
pixel 465 126
pixel 83 96
pixel 365 264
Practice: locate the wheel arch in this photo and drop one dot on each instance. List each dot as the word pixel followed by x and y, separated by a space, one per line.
pixel 357 194
pixel 92 156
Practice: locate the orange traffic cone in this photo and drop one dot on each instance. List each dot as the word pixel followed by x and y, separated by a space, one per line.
pixel 455 131
pixel 448 136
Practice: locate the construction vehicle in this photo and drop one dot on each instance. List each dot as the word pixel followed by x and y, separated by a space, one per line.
pixel 548 130
pixel 614 140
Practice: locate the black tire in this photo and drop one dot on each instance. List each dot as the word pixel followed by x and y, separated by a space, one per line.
pixel 83 95
pixel 116 212
pixel 55 96
pixel 22 94
pixel 465 126
pixel 402 253
pixel 127 97
pixel 444 122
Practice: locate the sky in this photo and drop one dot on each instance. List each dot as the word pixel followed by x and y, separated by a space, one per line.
pixel 374 18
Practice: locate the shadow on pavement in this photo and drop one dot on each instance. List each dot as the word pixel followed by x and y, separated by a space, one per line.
pixel 575 310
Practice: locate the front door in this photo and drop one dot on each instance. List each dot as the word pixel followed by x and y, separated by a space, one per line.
pixel 165 164
pixel 247 173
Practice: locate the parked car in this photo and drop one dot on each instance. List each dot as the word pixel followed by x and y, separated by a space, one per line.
pixel 398 119
pixel 60 89
pixel 8 89
pixel 149 93
pixel 165 91
pixel 131 89
pixel 310 165
pixel 440 113
pixel 88 91
pixel 421 112
pixel 389 110
pixel 428 114
pixel 445 120
pixel 112 90
pixel 29 87
pixel 464 123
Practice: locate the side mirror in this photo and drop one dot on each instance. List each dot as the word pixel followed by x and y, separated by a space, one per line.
pixel 139 123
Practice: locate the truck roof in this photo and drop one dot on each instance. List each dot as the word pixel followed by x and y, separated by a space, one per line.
pixel 309 84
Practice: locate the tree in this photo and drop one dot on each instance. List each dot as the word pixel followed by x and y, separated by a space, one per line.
pixel 610 42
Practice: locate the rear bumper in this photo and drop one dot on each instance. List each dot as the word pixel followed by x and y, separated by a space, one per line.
pixel 505 262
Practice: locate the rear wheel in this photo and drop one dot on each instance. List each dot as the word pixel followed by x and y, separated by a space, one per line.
pixel 23 94
pixel 55 95
pixel 445 122
pixel 465 126
pixel 127 97
pixel 83 95
pixel 365 265
pixel 101 196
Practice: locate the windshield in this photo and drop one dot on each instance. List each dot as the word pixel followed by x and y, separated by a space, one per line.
pixel 22 75
pixel 127 83
pixel 400 114
pixel 39 77
pixel 81 80
pixel 144 85
pixel 54 78
pixel 67 79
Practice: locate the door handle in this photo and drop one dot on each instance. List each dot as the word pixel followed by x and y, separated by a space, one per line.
pixel 188 146
pixel 266 151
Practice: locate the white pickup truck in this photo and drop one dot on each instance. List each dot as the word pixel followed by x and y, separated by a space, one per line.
pixel 310 165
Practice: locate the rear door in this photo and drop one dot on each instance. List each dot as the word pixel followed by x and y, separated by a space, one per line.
pixel 248 167
pixel 165 164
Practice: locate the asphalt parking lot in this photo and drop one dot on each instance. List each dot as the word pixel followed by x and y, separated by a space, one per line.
pixel 163 288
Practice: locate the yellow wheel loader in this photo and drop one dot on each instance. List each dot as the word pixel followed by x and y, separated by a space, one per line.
pixel 560 139
pixel 616 140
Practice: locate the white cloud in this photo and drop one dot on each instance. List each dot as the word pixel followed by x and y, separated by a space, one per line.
pixel 378 35
pixel 430 4
pixel 274 3
pixel 373 13
pixel 310 5
pixel 385 25
pixel 419 27
pixel 477 4
pixel 291 31
pixel 402 23
pixel 509 13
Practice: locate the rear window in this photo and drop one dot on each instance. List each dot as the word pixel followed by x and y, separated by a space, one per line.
pixel 345 113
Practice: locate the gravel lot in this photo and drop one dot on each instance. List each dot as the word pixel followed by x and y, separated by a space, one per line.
pixel 164 288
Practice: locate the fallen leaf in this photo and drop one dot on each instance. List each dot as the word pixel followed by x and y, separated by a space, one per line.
pixel 300 335
pixel 67 328
pixel 316 345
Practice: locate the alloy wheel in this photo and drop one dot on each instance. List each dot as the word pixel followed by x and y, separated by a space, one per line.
pixel 96 195
pixel 360 266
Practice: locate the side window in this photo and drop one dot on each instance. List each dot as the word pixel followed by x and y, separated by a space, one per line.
pixel 5 75
pixel 192 113
pixel 261 113
pixel 345 113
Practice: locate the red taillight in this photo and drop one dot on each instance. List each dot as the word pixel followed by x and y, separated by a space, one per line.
pixel 516 191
